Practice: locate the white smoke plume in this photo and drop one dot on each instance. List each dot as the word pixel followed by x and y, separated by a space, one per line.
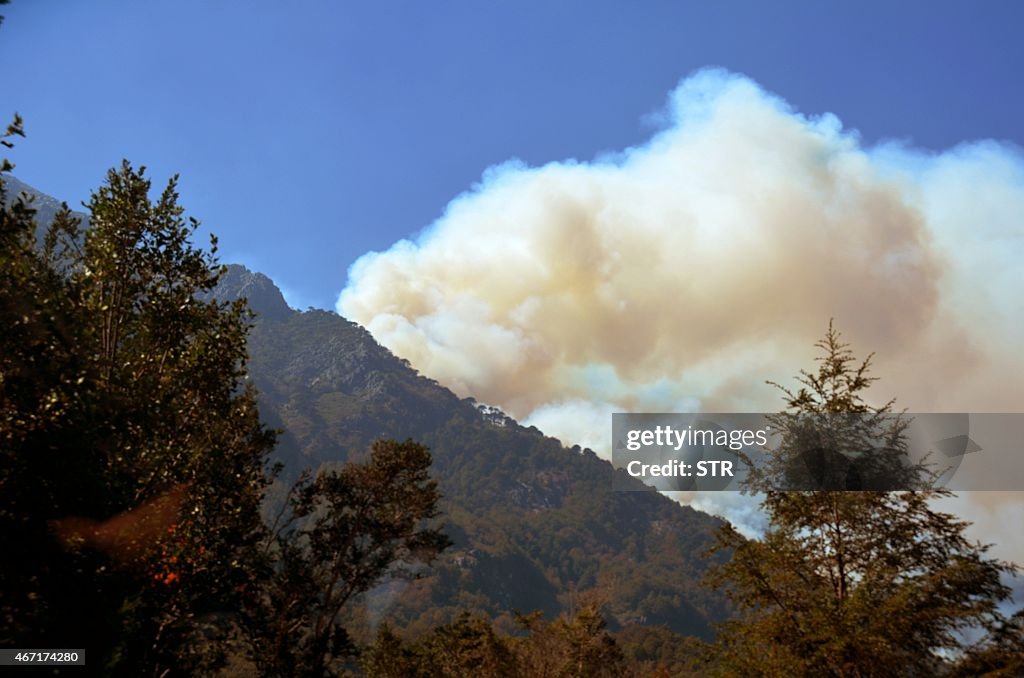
pixel 681 274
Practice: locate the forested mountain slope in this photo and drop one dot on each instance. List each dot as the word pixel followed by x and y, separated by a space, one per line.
pixel 535 524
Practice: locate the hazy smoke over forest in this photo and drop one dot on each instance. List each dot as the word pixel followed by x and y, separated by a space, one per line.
pixel 680 274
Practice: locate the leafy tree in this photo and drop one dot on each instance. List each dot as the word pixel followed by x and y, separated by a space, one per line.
pixel 390 657
pixel 573 646
pixel 466 648
pixel 570 647
pixel 655 651
pixel 852 583
pixel 134 463
pixel 352 527
pixel 14 129
pixel 133 457
pixel 469 647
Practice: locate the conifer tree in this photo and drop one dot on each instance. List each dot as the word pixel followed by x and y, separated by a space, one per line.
pixel 852 583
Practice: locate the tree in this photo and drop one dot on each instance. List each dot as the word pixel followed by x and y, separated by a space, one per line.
pixel 350 528
pixel 390 657
pixel 134 459
pixel 467 648
pixel 999 655
pixel 14 129
pixel 134 463
pixel 851 583
pixel 575 646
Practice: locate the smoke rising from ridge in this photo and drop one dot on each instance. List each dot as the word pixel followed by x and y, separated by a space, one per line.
pixel 680 274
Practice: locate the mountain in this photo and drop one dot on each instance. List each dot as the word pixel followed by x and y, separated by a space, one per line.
pixel 46 207
pixel 260 291
pixel 535 523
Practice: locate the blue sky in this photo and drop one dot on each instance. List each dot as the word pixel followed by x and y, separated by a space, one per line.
pixel 308 133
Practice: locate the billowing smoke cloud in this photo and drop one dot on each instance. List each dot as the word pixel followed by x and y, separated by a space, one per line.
pixel 681 274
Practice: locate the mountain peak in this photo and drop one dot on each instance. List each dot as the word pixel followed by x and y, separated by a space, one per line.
pixel 263 295
pixel 46 206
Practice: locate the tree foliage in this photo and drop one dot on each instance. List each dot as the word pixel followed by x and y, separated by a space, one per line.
pixel 852 583
pixel 134 462
pixel 351 527
pixel 14 129
pixel 575 646
pixel 572 646
pixel 134 459
pixel 999 655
